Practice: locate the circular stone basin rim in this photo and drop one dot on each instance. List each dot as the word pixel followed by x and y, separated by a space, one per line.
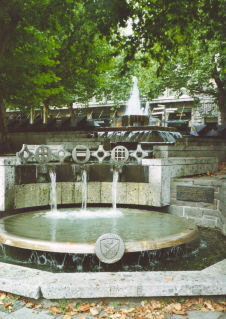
pixel 187 234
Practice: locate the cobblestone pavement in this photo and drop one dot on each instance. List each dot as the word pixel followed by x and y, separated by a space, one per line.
pixel 16 307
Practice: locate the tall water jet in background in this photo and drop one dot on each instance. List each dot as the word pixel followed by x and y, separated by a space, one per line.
pixel 53 193
pixel 133 106
pixel 135 115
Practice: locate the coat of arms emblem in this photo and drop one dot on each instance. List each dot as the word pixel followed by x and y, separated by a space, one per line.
pixel 109 247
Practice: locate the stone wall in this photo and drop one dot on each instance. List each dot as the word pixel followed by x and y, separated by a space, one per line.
pixel 68 139
pixel 7 181
pixel 197 147
pixel 202 213
pixel 153 189
pixel 29 185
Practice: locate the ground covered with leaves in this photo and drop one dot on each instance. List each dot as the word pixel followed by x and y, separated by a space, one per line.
pixel 146 309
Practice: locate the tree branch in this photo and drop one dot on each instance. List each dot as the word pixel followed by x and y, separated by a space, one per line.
pixel 204 92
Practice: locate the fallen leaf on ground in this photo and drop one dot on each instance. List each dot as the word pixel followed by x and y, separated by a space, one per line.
pixel 110 309
pixel 103 303
pixel 94 311
pixel 30 305
pixel 38 306
pixel 2 296
pixel 10 308
pixel 168 278
pixel 177 306
pixel 71 304
pixel 115 316
pixel 124 302
pixel 55 310
pixel 156 304
pixel 124 310
pixel 8 304
pixel 84 307
pixel 208 305
pixel 179 312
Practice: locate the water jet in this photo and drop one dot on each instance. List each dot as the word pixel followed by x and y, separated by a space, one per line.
pixel 135 115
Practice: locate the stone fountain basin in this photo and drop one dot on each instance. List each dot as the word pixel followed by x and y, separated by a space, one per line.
pixel 76 231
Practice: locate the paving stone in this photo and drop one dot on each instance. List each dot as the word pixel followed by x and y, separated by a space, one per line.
pixel 199 315
pixel 4 314
pixel 25 313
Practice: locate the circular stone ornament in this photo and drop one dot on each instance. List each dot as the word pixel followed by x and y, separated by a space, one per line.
pixel 109 248
pixel 43 154
pixel 81 154
pixel 119 154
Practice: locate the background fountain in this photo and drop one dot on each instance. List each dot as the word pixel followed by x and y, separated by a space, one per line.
pixel 135 115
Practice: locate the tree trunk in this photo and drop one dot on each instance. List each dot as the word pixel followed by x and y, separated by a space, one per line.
pixel 222 105
pixel 32 115
pixel 4 135
pixel 221 94
pixel 45 112
pixel 71 111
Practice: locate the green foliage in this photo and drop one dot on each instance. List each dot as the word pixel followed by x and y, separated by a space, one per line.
pixel 62 305
pixel 52 50
pixel 116 82
pixel 63 51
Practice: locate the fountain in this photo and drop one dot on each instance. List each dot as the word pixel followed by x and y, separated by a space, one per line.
pixel 139 180
pixel 123 230
pixel 141 220
pixel 135 115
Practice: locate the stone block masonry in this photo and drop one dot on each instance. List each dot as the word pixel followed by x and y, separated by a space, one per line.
pixel 202 213
pixel 192 147
pixel 68 139
pixel 7 181
pixel 153 190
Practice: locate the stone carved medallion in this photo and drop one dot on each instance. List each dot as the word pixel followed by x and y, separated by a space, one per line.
pixel 139 154
pixel 43 154
pixel 81 154
pixel 109 248
pixel 119 154
pixel 101 154
pixel 24 154
pixel 61 154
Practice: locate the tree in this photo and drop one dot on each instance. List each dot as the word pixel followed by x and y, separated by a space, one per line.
pixel 23 24
pixel 116 81
pixel 45 26
pixel 200 69
pixel 187 38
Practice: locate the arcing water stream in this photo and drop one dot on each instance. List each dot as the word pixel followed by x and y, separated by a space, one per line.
pixel 53 192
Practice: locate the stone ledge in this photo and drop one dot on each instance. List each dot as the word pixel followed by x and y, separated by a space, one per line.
pixel 36 283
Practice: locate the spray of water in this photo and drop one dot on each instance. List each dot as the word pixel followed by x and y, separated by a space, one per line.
pixel 133 104
pixel 114 188
pixel 53 193
pixel 84 189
